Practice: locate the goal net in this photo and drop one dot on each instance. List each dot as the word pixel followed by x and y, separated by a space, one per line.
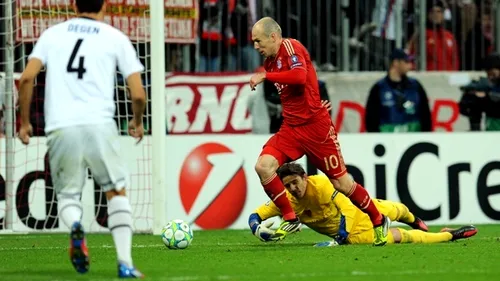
pixel 27 198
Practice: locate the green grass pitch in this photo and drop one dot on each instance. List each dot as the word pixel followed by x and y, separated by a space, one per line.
pixel 237 255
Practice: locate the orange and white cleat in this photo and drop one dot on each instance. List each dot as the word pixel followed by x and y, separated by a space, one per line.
pixel 462 232
pixel 419 224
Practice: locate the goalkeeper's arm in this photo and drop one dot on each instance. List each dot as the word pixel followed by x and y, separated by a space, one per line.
pixel 340 238
pixel 259 230
pixel 253 221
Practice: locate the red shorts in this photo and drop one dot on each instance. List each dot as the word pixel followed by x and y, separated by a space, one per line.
pixel 318 140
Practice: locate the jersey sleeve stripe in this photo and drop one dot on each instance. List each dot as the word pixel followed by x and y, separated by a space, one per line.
pixel 289 47
pixel 334 194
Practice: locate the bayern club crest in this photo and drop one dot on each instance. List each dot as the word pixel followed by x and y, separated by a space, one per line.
pixel 278 63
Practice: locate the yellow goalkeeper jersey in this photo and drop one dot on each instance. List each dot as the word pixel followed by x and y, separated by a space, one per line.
pixel 320 208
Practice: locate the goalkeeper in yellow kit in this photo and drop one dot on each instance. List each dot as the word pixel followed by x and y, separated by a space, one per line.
pixel 329 212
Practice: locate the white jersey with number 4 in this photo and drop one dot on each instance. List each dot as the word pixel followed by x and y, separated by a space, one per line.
pixel 81 56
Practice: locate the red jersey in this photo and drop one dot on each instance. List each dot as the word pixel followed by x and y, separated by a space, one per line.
pixel 441 50
pixel 293 74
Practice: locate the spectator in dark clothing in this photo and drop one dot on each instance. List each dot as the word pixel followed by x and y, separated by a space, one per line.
pixel 247 58
pixel 398 103
pixel 215 37
pixel 479 42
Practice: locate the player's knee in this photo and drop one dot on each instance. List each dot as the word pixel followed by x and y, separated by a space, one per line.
pixel 344 184
pixel 396 234
pixel 266 166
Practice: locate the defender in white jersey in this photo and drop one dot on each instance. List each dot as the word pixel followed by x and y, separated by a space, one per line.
pixel 81 56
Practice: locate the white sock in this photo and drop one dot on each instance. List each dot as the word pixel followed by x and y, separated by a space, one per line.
pixel 120 225
pixel 69 208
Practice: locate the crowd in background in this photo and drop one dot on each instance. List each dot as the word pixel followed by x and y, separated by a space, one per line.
pixel 459 34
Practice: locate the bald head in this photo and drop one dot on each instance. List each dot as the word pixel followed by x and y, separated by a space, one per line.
pixel 268 26
pixel 266 37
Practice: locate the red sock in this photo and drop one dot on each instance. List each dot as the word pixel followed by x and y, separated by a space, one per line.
pixel 276 192
pixel 361 199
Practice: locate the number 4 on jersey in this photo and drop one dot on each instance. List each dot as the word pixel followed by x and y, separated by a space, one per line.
pixel 80 69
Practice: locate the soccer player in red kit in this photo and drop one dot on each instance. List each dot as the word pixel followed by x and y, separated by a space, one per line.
pixel 307 129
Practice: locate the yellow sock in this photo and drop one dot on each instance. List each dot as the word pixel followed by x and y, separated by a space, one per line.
pixel 399 212
pixel 419 236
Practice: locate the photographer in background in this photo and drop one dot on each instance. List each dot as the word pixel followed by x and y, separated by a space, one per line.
pixel 398 103
pixel 483 96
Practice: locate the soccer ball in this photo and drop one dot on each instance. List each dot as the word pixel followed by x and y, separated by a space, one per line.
pixel 177 235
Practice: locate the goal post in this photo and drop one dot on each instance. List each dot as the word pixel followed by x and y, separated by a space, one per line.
pixel 27 196
pixel 158 113
pixel 8 111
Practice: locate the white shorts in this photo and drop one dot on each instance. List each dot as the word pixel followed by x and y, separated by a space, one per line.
pixel 74 149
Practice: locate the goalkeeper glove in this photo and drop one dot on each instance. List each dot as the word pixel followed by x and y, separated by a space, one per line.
pixel 331 243
pixel 263 232
pixel 338 239
pixel 341 236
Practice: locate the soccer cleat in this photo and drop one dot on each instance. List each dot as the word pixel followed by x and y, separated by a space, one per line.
pixel 286 228
pixel 380 232
pixel 419 224
pixel 462 232
pixel 128 272
pixel 78 252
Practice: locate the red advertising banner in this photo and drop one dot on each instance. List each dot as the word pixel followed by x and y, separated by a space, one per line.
pixel 130 16
pixel 208 104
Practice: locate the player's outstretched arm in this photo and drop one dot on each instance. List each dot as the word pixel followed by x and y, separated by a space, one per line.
pixel 338 239
pixel 26 84
pixel 348 213
pixel 295 76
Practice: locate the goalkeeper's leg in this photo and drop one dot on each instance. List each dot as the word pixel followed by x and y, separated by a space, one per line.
pixel 417 236
pixel 400 213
